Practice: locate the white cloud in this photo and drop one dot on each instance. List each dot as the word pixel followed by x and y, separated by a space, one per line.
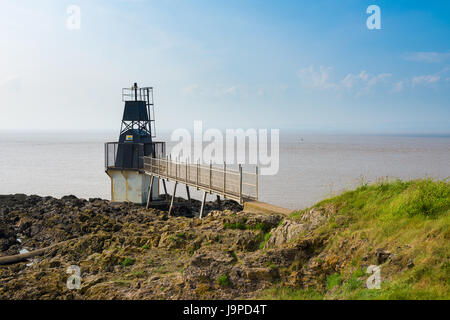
pixel 351 80
pixel 430 78
pixel 358 84
pixel 378 78
pixel 365 83
pixel 426 79
pixel 190 89
pixel 316 79
pixel 398 87
pixel 422 80
pixel 232 91
pixel 429 57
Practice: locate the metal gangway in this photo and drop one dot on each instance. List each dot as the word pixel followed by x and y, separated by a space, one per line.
pixel 231 184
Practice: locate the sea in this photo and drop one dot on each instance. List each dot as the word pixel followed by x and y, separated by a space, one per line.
pixel 311 166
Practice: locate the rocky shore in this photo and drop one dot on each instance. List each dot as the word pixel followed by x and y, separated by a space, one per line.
pixel 125 251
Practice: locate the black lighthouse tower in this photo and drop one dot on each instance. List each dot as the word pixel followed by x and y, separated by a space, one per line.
pixel 137 128
pixel 124 159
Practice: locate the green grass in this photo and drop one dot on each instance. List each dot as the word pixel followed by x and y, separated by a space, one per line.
pixel 181 235
pixel 235 225
pixel 264 241
pixel 285 293
pixel 408 218
pixel 139 274
pixel 241 224
pixel 223 281
pixel 333 280
pixel 127 262
pixel 262 237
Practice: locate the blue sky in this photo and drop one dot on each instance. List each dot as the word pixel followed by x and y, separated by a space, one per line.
pixel 312 66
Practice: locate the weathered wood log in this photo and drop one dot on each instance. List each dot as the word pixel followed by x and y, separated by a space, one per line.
pixel 20 257
pixel 23 256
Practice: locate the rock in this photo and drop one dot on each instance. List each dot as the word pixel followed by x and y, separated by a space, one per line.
pixel 247 240
pixel 7 236
pixel 289 230
pixel 69 198
pixel 260 274
pixel 175 257
pixel 90 281
pixel 207 266
pixel 20 197
pixel 382 255
pixel 315 217
pixel 264 222
pixel 285 233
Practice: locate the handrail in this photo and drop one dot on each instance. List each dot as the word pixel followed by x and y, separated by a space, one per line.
pixel 236 185
pixel 116 157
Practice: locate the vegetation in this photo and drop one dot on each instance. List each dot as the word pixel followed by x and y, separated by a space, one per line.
pixel 264 241
pixel 240 225
pixel 409 220
pixel 127 262
pixel 223 281
pixel 323 252
pixel 334 280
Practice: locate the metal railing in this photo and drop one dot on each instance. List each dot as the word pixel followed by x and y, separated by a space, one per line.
pixel 142 94
pixel 126 155
pixel 233 184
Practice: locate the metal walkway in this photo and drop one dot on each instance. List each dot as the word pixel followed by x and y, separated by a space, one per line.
pixel 230 184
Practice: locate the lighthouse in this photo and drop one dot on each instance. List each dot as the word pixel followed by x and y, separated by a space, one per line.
pixel 124 158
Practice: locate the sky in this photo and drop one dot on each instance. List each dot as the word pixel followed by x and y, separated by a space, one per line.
pixel 311 66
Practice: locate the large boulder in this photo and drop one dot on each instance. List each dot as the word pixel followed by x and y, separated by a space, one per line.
pixel 206 266
pixel 291 229
pixel 286 232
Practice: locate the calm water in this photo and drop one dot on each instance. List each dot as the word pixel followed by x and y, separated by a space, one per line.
pixel 310 169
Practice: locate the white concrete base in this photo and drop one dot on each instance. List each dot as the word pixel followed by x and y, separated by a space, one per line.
pixel 131 186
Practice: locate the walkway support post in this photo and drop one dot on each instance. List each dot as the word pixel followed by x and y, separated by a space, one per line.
pixel 198 165
pixel 188 194
pixel 210 176
pixel 202 208
pixel 256 183
pixel 218 201
pixel 240 183
pixel 165 188
pixel 224 178
pixel 150 191
pixel 173 197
